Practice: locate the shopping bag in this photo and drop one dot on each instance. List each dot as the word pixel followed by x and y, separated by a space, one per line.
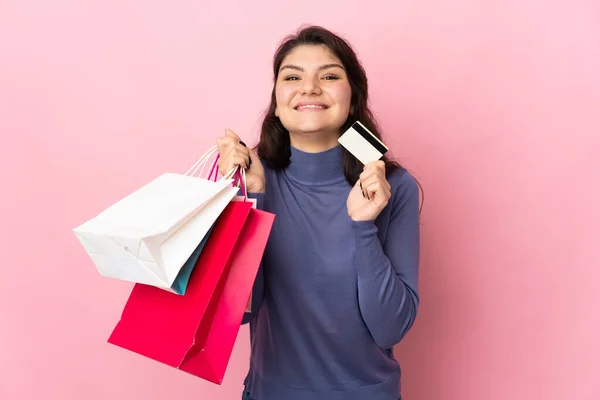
pixel 161 326
pixel 180 284
pixel 209 356
pixel 240 178
pixel 148 236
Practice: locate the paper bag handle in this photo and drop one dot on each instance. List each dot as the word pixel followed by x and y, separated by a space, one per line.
pixel 237 173
pixel 201 163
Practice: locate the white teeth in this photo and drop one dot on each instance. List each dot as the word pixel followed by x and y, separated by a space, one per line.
pixel 312 106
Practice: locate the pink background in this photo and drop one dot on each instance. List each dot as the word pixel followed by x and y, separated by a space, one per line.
pixel 494 105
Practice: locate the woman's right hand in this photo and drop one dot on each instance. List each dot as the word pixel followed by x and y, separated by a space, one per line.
pixel 233 153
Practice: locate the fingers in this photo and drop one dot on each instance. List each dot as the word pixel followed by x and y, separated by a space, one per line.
pixel 233 152
pixel 377 166
pixel 372 181
pixel 377 191
pixel 229 140
pixel 372 184
pixel 235 156
pixel 231 134
pixel 225 142
pixel 241 157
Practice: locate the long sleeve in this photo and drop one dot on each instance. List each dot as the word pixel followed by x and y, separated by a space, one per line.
pixel 259 282
pixel 388 273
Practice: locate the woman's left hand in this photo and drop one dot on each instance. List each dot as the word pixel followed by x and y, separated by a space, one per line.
pixel 371 193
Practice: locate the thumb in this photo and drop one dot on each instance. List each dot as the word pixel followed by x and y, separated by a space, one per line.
pixel 230 133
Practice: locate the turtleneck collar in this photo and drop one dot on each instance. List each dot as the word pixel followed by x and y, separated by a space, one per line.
pixel 317 169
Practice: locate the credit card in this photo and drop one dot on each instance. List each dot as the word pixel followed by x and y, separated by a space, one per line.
pixel 362 144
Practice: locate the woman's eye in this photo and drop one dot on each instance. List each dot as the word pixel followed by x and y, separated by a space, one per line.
pixel 296 78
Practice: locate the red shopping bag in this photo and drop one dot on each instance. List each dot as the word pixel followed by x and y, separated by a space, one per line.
pixel 173 329
pixel 215 338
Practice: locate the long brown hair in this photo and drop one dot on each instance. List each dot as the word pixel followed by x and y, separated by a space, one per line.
pixel 274 144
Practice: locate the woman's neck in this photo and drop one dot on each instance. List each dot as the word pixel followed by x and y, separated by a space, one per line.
pixel 316 142
pixel 316 168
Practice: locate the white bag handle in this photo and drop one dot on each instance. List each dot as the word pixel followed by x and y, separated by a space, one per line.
pixel 203 162
pixel 243 184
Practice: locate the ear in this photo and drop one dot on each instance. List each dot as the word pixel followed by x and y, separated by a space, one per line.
pixel 276 112
pixel 352 110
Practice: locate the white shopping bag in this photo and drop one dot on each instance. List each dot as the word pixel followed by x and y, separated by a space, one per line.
pixel 147 236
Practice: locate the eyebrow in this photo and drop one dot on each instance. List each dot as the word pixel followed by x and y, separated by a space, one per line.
pixel 322 67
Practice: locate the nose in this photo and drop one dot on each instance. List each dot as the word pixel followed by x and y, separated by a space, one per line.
pixel 310 86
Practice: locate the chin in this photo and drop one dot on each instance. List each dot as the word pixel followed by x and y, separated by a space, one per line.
pixel 311 127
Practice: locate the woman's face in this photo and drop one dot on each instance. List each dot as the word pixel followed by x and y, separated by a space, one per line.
pixel 312 91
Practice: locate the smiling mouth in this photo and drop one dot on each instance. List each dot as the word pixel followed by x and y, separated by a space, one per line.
pixel 311 107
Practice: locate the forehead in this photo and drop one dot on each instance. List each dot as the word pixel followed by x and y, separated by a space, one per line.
pixel 310 55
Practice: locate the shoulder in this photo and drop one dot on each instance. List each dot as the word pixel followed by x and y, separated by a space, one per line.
pixel 405 188
pixel 269 172
pixel 402 182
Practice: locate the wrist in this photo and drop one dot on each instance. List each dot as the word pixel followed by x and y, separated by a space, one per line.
pixel 256 187
pixel 362 216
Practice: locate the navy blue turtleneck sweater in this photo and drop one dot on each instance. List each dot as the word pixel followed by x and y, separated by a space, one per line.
pixel 333 296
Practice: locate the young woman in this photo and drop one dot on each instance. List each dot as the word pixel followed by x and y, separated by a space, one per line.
pixel 337 288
